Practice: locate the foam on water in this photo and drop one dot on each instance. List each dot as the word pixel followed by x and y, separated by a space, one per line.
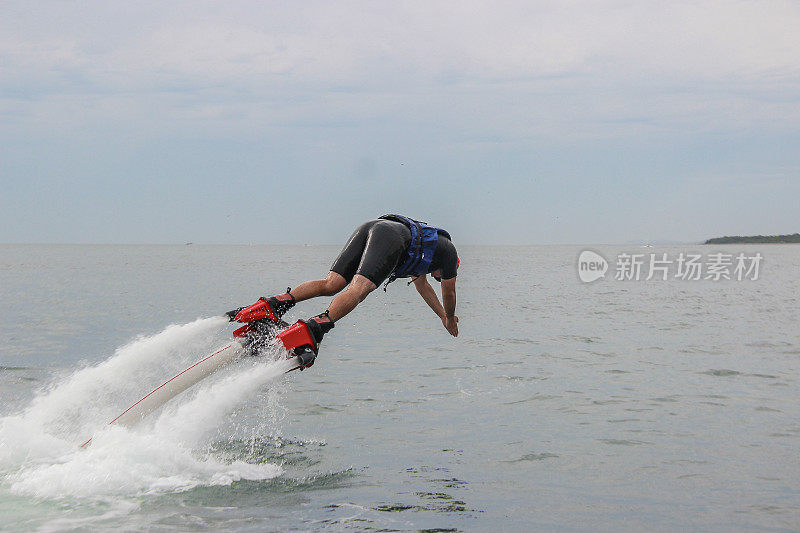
pixel 39 454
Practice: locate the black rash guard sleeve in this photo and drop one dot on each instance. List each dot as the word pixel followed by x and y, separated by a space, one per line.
pixel 445 257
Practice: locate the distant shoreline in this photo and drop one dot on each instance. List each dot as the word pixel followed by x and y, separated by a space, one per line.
pixel 757 239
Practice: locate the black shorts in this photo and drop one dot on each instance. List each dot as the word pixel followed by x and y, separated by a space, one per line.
pixel 373 251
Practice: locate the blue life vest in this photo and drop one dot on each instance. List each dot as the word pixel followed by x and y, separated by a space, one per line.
pixel 420 252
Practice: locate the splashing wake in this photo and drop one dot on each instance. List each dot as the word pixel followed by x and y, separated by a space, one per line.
pixel 39 455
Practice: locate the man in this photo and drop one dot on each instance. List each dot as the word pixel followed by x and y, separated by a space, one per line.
pixel 391 247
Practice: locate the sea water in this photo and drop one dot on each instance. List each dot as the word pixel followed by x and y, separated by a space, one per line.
pixel 636 405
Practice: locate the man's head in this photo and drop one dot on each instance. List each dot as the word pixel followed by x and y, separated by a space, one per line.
pixel 445 260
pixel 437 274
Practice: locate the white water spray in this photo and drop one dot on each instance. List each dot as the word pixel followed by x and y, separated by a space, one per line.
pixel 38 447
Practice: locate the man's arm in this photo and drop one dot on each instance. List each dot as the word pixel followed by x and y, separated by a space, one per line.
pixel 449 299
pixel 429 295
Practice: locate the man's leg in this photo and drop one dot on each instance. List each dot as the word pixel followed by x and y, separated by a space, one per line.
pixel 386 242
pixel 342 269
pixel 329 286
pixel 278 305
pixel 373 250
pixel 319 325
pixel 345 302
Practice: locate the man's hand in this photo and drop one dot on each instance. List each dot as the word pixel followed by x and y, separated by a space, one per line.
pixel 451 324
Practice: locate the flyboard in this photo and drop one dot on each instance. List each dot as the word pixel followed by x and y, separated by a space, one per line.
pixel 261 329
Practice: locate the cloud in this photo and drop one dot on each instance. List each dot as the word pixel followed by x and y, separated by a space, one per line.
pixel 434 43
pixel 535 94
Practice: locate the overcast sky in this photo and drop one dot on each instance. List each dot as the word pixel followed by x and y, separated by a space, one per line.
pixel 504 122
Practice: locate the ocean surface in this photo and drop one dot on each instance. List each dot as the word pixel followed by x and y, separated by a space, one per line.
pixel 616 405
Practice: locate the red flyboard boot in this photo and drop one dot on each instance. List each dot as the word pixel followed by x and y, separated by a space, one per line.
pixel 270 308
pixel 303 338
